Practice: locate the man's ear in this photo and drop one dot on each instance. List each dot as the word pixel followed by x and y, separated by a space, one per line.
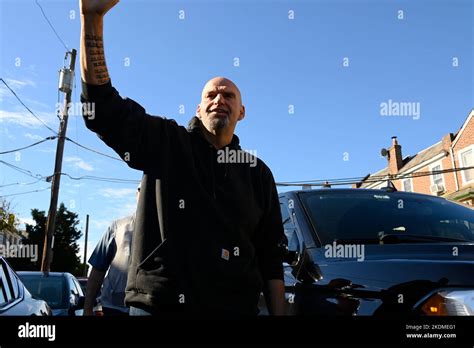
pixel 198 110
pixel 242 113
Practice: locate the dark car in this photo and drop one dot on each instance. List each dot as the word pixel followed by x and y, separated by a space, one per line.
pixel 60 290
pixel 83 283
pixel 15 299
pixel 377 252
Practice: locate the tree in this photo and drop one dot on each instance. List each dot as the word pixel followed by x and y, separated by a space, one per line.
pixel 8 220
pixel 66 235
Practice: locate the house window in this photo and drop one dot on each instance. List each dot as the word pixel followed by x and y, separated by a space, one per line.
pixel 437 178
pixel 407 185
pixel 467 160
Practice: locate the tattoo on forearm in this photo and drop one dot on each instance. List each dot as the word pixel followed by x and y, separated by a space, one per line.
pixel 95 48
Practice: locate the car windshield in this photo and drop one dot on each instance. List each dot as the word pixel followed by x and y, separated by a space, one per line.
pixel 362 215
pixel 51 289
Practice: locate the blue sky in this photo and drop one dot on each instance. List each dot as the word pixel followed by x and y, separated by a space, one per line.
pixel 332 62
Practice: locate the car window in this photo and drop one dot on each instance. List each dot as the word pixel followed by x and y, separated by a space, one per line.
pixel 293 241
pixel 289 227
pixel 7 283
pixel 3 296
pixel 368 215
pixel 78 287
pixel 15 285
pixel 285 214
pixel 52 289
pixel 4 291
pixel 72 286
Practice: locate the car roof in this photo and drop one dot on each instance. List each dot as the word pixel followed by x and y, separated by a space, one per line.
pixel 362 190
pixel 39 273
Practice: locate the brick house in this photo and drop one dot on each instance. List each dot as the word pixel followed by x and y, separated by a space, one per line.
pixel 452 151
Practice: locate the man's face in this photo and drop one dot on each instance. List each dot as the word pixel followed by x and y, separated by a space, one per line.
pixel 221 105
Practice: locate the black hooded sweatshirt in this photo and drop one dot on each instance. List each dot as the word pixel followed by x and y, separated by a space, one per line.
pixel 208 232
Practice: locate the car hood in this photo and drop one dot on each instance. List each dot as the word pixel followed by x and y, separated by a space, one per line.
pixel 60 312
pixel 384 266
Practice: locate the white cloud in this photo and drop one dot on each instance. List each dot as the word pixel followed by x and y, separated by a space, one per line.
pixel 6 132
pixel 33 136
pixel 25 119
pixel 19 84
pixel 117 192
pixel 78 162
pixel 100 224
pixel 28 221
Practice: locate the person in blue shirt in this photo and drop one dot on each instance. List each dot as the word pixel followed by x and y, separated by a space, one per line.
pixel 110 261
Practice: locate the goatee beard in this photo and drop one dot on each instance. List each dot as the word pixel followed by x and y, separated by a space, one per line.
pixel 219 123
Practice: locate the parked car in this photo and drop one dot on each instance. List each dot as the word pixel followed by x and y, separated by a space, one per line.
pixel 60 290
pixel 83 283
pixel 15 299
pixel 97 306
pixel 377 252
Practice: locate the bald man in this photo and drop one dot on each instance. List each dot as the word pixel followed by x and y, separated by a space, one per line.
pixel 208 235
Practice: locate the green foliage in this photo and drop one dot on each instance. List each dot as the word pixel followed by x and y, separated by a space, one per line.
pixel 66 235
pixel 8 220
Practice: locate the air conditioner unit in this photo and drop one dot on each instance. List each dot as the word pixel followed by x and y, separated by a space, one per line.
pixel 437 188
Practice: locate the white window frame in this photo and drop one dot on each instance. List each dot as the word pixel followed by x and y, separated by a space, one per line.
pixel 460 153
pixel 411 184
pixel 440 164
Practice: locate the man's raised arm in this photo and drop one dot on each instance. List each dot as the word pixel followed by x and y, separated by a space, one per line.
pixel 93 67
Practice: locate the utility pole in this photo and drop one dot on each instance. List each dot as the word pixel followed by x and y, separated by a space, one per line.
pixel 66 79
pixel 85 245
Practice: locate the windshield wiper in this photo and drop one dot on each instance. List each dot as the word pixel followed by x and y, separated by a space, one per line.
pixel 400 238
pixel 357 241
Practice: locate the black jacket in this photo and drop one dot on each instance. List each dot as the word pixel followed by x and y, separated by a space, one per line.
pixel 207 234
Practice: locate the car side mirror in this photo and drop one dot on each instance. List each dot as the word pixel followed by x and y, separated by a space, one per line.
pixel 79 304
pixel 307 272
pixel 292 257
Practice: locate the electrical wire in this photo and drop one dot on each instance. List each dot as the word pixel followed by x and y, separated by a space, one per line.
pixel 54 30
pixel 99 178
pixel 24 193
pixel 24 171
pixel 26 147
pixel 27 108
pixel 374 179
pixel 21 183
pixel 92 150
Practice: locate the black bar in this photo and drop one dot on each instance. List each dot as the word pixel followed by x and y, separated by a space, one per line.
pixel 262 330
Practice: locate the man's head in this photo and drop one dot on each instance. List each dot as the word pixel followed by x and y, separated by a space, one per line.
pixel 221 106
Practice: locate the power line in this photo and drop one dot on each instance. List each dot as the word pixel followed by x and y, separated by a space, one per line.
pixel 26 147
pixel 21 183
pixel 372 179
pixel 92 150
pixel 54 30
pixel 23 171
pixel 27 108
pixel 99 178
pixel 24 193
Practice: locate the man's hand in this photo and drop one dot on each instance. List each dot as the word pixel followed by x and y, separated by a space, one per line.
pixel 96 7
